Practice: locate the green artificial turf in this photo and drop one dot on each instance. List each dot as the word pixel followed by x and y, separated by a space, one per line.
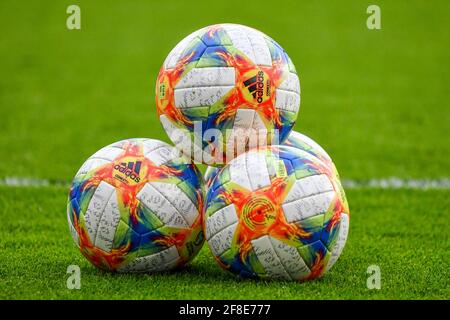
pixel 376 100
pixel 405 233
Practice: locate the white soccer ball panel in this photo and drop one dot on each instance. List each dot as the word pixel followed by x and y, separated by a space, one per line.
pixel 250 42
pixel 308 186
pixel 160 261
pixel 161 207
pixel 250 171
pixel 178 199
pixel 96 208
pixel 222 240
pixel 279 260
pixel 107 225
pixel 200 96
pixel 221 219
pixel 208 77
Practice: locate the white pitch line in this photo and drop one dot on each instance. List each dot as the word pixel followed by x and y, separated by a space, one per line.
pixel 31 182
pixel 382 183
pixel 398 183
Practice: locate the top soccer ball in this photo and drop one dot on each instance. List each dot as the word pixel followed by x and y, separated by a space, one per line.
pixel 230 78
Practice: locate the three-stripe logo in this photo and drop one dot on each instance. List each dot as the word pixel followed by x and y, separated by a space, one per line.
pixel 255 86
pixel 128 170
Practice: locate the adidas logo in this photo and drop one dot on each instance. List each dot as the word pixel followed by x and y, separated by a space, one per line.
pixel 255 86
pixel 130 170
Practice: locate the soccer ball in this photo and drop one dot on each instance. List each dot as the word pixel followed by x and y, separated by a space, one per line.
pixel 276 213
pixel 135 206
pixel 225 89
